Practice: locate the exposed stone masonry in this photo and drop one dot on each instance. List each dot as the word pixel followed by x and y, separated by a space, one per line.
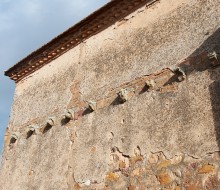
pixel 139 171
pixel 135 106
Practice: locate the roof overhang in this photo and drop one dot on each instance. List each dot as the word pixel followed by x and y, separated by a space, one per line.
pixel 91 25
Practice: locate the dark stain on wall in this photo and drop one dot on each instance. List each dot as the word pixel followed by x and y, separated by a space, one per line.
pixel 211 44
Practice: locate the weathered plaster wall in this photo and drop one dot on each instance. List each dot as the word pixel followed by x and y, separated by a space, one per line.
pixel 161 138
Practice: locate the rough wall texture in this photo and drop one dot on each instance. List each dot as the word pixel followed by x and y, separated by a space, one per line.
pixel 165 136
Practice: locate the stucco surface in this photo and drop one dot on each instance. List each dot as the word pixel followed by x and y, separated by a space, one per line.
pixel 179 128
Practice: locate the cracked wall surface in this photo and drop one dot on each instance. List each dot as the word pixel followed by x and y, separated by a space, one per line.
pixel 133 107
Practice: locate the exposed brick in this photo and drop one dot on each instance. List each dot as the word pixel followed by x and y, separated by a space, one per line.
pixel 212 182
pixel 164 178
pixel 112 176
pixel 206 169
pixel 93 149
pixel 192 186
pixel 79 114
pixel 131 187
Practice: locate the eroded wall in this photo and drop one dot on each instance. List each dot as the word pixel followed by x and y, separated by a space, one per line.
pixel 165 136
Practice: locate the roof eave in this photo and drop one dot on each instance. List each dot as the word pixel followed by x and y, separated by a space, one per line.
pixel 91 25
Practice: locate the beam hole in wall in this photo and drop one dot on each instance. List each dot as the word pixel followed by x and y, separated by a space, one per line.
pixel 116 101
pixel 13 140
pixel 30 133
pixel 65 120
pixel 67 116
pixel 144 89
pixel 179 76
pixel 47 128
pixel 87 111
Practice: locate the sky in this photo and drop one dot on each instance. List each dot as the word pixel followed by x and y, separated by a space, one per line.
pixel 26 25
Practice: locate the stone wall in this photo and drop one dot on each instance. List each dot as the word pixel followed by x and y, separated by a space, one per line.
pixel 144 105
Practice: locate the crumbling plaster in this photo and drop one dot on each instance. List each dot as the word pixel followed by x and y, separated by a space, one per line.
pixel 132 52
pixel 78 153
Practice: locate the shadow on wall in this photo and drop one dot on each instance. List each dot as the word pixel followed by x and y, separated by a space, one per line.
pixel 211 44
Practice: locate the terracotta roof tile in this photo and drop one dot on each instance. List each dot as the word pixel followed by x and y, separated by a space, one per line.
pixel 91 25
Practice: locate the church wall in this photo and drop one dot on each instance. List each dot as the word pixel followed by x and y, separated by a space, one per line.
pixel 165 135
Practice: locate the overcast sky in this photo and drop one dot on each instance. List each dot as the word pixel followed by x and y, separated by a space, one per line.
pixel 25 25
